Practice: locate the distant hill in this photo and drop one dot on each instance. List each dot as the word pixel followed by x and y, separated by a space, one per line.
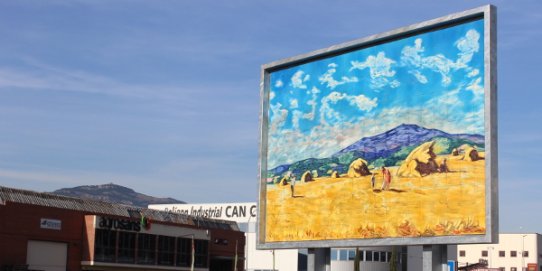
pixel 386 149
pixel 115 194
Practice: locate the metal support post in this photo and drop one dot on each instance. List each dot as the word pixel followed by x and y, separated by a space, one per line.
pixel 319 259
pixel 435 258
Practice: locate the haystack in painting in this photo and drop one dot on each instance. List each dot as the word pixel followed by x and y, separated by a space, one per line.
pixel 307 177
pixel 335 174
pixel 358 168
pixel 420 162
pixel 285 180
pixel 472 154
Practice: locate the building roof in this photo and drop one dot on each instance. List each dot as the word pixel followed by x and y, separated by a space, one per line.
pixel 105 208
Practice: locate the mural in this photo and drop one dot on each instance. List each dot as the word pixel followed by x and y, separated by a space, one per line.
pixel 381 142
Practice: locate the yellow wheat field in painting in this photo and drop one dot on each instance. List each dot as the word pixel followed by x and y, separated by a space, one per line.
pixel 439 204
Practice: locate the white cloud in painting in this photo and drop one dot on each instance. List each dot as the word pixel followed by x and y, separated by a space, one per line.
pixel 329 114
pixel 312 102
pixel 413 56
pixel 298 80
pixel 278 118
pixel 362 102
pixel 473 73
pixel 419 76
pixel 294 103
pixel 271 95
pixel 474 121
pixel 448 102
pixel 379 69
pixel 327 78
pixel 279 83
pixel 297 115
pixel 476 88
pixel 467 45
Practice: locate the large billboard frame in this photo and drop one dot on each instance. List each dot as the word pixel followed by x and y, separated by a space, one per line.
pixel 488 14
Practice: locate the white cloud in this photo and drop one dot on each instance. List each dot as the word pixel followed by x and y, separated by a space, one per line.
pixel 294 103
pixel 298 80
pixel 328 113
pixel 379 69
pixel 278 118
pixel 297 115
pixel 271 95
pixel 419 76
pixel 448 102
pixel 327 78
pixel 467 45
pixel 476 88
pixel 395 84
pixel 279 83
pixel 362 102
pixel 473 73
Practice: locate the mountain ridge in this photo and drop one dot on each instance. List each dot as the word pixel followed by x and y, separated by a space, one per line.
pixel 114 193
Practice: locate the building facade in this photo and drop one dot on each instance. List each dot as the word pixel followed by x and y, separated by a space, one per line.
pixel 514 252
pixel 41 231
pixel 245 214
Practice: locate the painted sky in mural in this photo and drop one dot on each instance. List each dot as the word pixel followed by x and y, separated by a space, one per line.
pixel 434 80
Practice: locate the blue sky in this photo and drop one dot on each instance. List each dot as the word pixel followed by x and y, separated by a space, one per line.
pixel 163 96
pixel 435 80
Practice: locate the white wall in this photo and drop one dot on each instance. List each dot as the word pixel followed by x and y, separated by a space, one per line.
pixel 507 242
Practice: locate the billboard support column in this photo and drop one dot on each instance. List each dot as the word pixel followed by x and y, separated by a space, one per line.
pixel 434 258
pixel 318 259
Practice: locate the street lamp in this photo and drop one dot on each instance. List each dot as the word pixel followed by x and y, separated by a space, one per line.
pixel 193 251
pixel 523 251
pixel 489 251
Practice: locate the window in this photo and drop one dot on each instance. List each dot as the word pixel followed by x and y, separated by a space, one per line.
pixel 376 256
pixel 146 249
pixel 351 255
pixel 362 255
pixel 383 256
pixel 484 253
pixel 513 253
pixel 343 255
pixel 202 252
pixel 513 269
pixel 126 247
pixel 461 253
pixel 184 250
pixel 502 269
pixel 334 256
pixel 389 257
pixel 502 253
pixel 368 256
pixel 105 243
pixel 166 250
pixel 525 254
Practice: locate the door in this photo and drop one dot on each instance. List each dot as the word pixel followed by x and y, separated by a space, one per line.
pixel 47 256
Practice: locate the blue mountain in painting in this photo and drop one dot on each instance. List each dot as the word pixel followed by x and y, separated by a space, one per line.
pixel 385 149
pixel 404 135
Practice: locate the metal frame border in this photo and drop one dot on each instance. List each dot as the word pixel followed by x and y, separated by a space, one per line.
pixel 488 13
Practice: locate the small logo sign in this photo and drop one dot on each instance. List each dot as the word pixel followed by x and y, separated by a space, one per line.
pixel 51 224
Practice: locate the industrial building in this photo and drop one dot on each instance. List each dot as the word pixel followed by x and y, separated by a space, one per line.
pixel 42 231
pixel 245 214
